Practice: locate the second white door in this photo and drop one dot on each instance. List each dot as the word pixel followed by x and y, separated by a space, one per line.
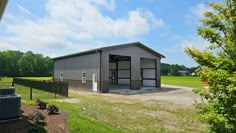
pixel 95 82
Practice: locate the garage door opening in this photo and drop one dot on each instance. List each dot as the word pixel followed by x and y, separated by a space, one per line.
pixel 148 72
pixel 119 71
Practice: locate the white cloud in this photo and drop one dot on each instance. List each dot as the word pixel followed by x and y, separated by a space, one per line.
pixel 196 42
pixel 172 50
pixel 70 25
pixel 197 12
pixel 9 16
pixel 200 9
pixel 109 4
pixel 6 46
pixel 22 9
pixel 175 52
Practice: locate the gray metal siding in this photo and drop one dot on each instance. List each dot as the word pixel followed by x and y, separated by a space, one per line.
pixel 135 52
pixel 73 67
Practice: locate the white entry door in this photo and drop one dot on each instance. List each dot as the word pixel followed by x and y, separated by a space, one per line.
pixel 95 82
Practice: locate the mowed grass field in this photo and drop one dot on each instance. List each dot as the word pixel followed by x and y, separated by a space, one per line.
pixel 110 113
pixel 186 81
pixel 9 79
pixel 36 78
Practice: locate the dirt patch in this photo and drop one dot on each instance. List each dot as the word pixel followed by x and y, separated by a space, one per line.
pixel 53 123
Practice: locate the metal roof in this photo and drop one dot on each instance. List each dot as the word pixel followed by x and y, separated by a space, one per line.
pixel 3 4
pixel 111 47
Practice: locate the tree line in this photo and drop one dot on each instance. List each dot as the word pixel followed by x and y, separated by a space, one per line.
pixel 17 63
pixel 174 69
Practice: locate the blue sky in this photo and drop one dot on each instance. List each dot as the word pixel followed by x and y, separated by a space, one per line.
pixel 58 27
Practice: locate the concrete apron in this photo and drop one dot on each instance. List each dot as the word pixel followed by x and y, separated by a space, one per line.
pixel 125 90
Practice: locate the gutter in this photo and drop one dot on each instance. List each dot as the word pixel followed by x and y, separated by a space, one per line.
pixel 3 4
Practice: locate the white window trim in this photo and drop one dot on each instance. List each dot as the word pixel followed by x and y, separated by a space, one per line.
pixel 83 77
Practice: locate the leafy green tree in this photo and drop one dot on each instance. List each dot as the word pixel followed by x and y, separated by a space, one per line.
pixel 49 66
pixel 218 66
pixel 167 69
pixel 41 65
pixel 192 69
pixel 26 64
pixel 35 65
pixel 8 63
pixel 16 63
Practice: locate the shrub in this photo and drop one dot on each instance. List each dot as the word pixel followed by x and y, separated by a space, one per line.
pixel 36 129
pixel 36 116
pixel 41 104
pixel 52 109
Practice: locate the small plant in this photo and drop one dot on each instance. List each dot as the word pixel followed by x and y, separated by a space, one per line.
pixel 36 129
pixel 52 109
pixel 41 104
pixel 36 116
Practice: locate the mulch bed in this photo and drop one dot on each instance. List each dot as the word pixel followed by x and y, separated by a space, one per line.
pixel 53 123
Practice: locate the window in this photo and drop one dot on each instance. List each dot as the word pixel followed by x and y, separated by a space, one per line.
pixel 95 78
pixel 83 77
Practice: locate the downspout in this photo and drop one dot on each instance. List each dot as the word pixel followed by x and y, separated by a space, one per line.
pixel 156 72
pixel 53 68
pixel 100 70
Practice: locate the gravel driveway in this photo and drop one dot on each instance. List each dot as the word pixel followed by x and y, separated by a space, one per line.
pixel 169 93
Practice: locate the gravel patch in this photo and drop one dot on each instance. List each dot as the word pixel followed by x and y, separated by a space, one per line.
pixel 69 100
pixel 169 93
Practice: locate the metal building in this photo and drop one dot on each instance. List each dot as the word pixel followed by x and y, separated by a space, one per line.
pixel 133 65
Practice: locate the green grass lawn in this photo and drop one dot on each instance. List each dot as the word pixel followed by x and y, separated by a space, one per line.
pixel 36 78
pixel 108 113
pixel 36 94
pixel 186 81
pixel 6 79
pixel 9 79
pixel 25 91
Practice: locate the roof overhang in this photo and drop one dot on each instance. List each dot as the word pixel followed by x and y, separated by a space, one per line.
pixel 77 54
pixel 98 50
pixel 3 4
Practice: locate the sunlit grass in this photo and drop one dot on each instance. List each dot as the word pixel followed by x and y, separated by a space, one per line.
pixel 186 81
pixel 10 79
pixel 36 78
pixel 36 94
pixel 6 79
pixel 109 113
